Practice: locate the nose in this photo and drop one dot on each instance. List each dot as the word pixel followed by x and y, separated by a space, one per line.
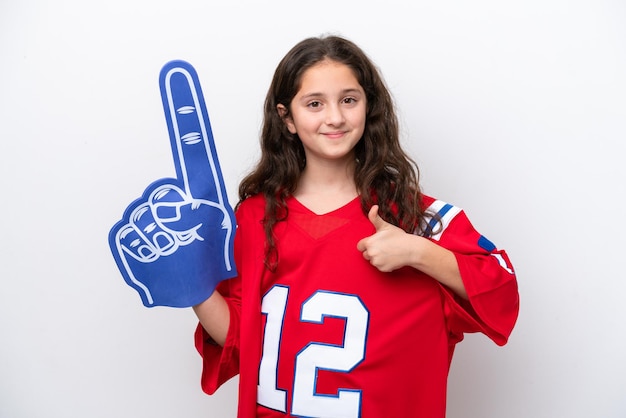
pixel 334 115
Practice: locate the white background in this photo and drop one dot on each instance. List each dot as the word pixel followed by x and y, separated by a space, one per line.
pixel 515 111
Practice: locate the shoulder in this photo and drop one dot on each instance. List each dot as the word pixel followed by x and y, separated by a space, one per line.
pixel 252 207
pixel 438 215
pixel 433 207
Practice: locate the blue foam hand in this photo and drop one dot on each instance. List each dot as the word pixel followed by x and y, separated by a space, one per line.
pixel 175 243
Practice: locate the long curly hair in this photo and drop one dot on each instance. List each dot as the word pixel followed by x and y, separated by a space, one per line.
pixel 384 174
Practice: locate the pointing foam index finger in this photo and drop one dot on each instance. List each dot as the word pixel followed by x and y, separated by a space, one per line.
pixel 191 138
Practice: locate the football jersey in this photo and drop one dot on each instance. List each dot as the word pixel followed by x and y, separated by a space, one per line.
pixel 329 335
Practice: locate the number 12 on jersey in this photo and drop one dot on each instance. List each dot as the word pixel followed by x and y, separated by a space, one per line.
pixel 315 356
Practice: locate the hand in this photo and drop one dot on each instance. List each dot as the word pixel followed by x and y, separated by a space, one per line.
pixel 175 243
pixel 389 248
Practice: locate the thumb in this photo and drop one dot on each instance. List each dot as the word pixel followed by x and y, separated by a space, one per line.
pixel 376 220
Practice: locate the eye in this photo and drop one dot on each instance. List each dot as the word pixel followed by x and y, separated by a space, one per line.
pixel 314 104
pixel 350 100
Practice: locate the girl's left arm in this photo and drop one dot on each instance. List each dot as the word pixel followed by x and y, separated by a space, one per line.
pixel 478 278
pixel 390 248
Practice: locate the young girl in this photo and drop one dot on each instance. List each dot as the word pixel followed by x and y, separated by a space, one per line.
pixel 353 286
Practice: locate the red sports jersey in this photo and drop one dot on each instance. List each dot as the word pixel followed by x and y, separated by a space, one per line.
pixel 328 335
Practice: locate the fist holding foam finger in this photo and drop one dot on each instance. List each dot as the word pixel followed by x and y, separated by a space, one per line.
pixel 175 243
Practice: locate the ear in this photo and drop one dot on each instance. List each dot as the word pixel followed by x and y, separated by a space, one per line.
pixel 283 112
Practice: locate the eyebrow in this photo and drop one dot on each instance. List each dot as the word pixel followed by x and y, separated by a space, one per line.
pixel 343 92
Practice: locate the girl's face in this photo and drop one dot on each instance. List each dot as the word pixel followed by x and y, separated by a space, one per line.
pixel 328 113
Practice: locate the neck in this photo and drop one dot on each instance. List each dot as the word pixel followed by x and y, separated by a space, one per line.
pixel 326 187
pixel 327 175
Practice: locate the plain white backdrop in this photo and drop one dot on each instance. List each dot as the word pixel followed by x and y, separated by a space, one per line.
pixel 515 111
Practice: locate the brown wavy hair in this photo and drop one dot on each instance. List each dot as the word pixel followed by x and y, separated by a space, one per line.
pixel 384 173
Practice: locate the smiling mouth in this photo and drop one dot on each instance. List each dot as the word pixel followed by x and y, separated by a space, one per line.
pixel 334 134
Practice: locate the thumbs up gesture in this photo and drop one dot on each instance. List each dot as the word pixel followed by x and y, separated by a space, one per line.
pixel 389 248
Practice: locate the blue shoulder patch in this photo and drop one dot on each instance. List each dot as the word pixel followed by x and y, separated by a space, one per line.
pixel 485 244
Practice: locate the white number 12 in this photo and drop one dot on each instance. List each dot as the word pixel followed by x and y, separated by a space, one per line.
pixel 313 357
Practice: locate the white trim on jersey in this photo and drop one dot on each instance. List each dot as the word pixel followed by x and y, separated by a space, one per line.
pixel 503 263
pixel 438 216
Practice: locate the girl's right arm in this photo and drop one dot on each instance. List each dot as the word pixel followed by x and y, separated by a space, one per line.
pixel 214 316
